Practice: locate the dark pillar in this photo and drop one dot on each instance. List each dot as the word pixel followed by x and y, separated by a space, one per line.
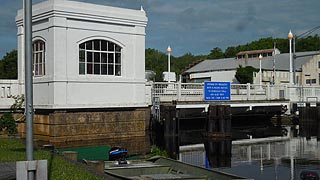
pixel 168 116
pixel 221 117
pixel 318 123
pixel 212 120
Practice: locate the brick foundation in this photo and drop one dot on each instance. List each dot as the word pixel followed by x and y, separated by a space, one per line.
pixel 117 127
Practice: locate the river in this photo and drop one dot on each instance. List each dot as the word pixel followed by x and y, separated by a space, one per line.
pixel 262 159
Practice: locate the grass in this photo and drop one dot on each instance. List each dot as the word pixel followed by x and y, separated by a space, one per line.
pixel 12 150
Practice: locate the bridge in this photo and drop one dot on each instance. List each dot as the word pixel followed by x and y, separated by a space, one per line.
pixel 191 92
pixel 186 93
pixel 242 95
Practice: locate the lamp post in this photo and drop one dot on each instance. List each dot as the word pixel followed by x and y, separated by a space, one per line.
pixel 290 36
pixel 169 51
pixel 27 5
pixel 260 71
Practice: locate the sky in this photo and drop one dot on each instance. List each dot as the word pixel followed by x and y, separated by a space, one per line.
pixel 197 26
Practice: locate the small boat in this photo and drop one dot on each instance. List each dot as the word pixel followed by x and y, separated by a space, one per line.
pixel 118 154
pixel 309 175
pixel 163 168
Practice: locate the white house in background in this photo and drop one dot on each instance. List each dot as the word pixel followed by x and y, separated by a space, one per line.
pixel 307 68
pixel 86 55
pixel 256 53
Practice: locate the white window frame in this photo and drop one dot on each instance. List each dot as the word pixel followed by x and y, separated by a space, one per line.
pixel 100 57
pixel 38 60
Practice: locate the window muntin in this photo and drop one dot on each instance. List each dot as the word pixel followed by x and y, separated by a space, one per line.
pixel 100 57
pixel 38 60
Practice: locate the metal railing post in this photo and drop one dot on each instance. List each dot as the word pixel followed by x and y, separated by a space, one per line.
pixel 268 92
pixel 179 90
pixel 248 91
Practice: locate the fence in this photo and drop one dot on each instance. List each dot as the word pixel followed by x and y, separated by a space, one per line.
pixel 9 88
pixel 168 92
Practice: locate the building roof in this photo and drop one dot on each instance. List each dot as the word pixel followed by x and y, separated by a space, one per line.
pixel 256 52
pixel 228 64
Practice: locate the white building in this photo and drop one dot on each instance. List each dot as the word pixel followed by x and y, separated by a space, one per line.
pixel 86 55
pixel 89 74
pixel 274 68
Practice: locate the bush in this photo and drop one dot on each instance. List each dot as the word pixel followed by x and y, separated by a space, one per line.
pixel 8 124
pixel 156 151
pixel 245 74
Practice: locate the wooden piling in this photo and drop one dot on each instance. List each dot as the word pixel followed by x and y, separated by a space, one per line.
pixel 310 121
pixel 168 115
pixel 218 123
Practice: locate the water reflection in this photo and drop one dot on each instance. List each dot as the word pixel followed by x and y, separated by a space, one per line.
pixel 270 158
pixel 218 153
pixel 281 160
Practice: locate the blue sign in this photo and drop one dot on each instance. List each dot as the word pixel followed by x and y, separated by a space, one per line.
pixel 217 91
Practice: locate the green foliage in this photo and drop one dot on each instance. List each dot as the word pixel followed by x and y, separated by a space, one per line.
pixel 310 43
pixel 8 124
pixel 8 66
pixel 156 151
pixel 245 74
pixel 18 101
pixel 216 53
pixel 158 62
pixel 11 150
pixel 230 52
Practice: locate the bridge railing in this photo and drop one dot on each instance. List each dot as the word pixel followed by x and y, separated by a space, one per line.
pixel 168 92
pixel 305 93
pixel 8 88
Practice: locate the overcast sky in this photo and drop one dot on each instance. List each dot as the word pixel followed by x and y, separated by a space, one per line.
pixel 197 26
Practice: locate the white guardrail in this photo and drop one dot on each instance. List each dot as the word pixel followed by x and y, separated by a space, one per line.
pixel 167 92
pixel 9 88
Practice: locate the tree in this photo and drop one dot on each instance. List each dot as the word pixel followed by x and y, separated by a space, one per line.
pixel 245 74
pixel 216 53
pixel 8 66
pixel 157 62
pixel 230 52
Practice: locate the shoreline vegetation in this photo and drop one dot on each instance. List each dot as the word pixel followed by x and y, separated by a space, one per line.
pixel 12 150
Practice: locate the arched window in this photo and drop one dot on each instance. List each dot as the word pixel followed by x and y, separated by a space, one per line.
pixel 100 57
pixel 38 58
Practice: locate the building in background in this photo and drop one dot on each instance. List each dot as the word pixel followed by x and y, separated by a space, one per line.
pixel 307 68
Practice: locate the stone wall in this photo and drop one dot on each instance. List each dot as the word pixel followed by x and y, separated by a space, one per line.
pixel 117 127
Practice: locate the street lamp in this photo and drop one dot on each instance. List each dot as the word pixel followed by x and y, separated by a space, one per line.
pixel 260 72
pixel 290 36
pixel 169 51
pixel 27 20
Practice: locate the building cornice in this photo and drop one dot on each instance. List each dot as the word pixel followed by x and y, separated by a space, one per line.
pixel 85 11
